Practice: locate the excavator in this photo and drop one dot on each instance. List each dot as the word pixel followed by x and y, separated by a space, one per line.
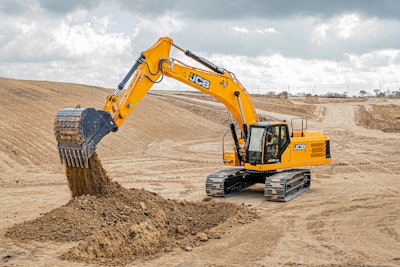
pixel 271 153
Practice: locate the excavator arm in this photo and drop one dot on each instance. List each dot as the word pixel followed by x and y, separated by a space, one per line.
pixel 79 130
pixel 155 63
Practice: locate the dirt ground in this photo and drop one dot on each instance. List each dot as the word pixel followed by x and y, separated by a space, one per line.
pixel 164 152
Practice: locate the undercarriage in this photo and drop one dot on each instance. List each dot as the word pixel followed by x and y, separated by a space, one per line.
pixel 279 186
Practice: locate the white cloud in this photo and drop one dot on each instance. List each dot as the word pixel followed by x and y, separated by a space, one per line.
pixel 63 41
pixel 98 43
pixel 102 25
pixel 265 73
pixel 242 30
pixel 266 30
pixel 320 33
pixel 347 25
pixel 78 48
pixel 374 59
pixel 88 40
pixel 77 16
pixel 246 30
pixel 159 26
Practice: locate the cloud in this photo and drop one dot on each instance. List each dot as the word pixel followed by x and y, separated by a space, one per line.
pixel 160 26
pixel 275 72
pixel 13 8
pixel 266 30
pixel 375 59
pixel 240 30
pixel 238 9
pixel 29 40
pixel 338 36
pixel 266 43
pixel 74 48
pixel 320 33
pixel 347 25
pixel 245 30
pixel 65 7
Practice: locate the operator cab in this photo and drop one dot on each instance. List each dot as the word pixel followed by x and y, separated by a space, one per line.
pixel 266 142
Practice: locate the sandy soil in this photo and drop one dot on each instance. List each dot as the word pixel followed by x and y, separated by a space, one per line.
pixel 350 216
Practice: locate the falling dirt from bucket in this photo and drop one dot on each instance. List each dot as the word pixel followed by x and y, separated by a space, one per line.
pixel 89 181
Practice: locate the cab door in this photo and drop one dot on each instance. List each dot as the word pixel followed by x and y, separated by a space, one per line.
pixel 255 144
pixel 277 140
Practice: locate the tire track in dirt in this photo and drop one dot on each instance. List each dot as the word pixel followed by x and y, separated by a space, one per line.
pixel 336 219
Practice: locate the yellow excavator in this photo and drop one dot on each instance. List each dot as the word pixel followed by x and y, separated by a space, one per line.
pixel 262 152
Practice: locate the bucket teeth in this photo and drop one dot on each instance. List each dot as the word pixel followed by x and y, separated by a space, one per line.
pixel 74 157
pixel 78 131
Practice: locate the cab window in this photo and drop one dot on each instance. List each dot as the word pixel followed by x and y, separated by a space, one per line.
pixel 255 145
pixel 277 140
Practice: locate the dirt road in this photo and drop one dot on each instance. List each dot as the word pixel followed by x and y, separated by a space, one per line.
pixel 350 216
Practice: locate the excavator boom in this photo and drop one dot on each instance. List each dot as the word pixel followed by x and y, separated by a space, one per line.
pixel 79 130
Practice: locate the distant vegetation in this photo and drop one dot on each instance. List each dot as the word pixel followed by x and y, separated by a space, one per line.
pixel 362 94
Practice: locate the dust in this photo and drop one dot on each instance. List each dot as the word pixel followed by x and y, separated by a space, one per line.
pixel 115 225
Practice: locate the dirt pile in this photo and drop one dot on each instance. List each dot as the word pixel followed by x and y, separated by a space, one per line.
pixel 283 95
pixel 115 225
pixel 311 99
pixel 284 106
pixel 381 117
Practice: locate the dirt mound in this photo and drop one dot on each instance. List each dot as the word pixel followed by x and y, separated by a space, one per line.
pixel 311 99
pixel 283 95
pixel 284 106
pixel 116 225
pixel 381 117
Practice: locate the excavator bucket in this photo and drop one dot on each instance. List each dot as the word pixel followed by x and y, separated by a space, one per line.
pixel 78 131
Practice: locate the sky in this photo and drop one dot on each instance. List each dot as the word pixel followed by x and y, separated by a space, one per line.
pixel 310 46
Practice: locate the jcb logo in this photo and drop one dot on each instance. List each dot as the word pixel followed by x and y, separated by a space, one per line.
pixel 299 147
pixel 199 80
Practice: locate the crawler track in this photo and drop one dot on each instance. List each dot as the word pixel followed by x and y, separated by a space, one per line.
pixel 280 186
pixel 285 185
pixel 227 182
